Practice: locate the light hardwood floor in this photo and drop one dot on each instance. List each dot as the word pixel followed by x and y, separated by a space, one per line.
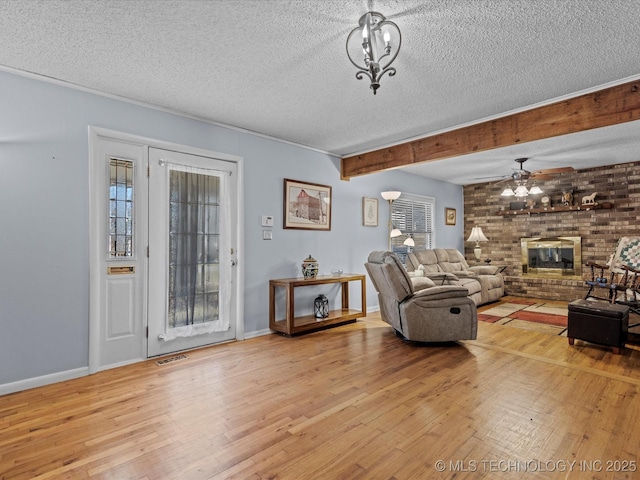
pixel 352 402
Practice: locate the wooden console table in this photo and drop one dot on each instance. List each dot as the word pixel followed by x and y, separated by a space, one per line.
pixel 292 325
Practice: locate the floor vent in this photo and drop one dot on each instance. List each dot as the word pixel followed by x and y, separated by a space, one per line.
pixel 164 361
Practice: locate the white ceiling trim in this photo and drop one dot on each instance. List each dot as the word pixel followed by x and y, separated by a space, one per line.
pixel 62 83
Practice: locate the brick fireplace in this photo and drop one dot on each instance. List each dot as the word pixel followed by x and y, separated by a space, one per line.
pixel 599 230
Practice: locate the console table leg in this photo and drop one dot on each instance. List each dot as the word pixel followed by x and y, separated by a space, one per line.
pixel 290 309
pixel 272 305
pixel 345 295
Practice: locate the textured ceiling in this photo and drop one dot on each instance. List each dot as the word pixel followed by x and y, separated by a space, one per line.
pixel 279 67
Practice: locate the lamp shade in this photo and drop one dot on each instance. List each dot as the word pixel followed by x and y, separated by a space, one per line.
pixel 395 233
pixel 508 192
pixel 391 195
pixel 409 242
pixel 477 235
pixel 535 190
pixel 521 191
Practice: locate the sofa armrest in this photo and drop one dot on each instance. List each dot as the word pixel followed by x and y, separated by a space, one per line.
pixel 443 291
pixel 485 270
pixel 420 283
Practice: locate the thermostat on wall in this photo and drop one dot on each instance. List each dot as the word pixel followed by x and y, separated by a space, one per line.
pixel 267 220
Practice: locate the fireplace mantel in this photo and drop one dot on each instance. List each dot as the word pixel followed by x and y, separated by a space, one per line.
pixel 558 209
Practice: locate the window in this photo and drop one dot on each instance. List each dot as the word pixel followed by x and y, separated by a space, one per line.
pixel 120 208
pixel 413 215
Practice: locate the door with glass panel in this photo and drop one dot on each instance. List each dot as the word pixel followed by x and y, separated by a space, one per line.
pixel 192 251
pixel 118 290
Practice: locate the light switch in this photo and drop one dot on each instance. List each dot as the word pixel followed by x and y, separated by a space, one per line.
pixel 267 235
pixel 267 221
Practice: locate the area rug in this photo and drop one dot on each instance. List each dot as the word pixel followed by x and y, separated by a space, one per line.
pixel 544 317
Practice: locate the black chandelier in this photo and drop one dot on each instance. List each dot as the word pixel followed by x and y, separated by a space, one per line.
pixel 379 40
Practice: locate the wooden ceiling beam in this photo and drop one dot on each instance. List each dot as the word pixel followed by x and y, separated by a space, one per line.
pixel 611 106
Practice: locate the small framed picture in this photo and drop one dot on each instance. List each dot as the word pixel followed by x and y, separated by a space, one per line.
pixel 450 216
pixel 369 212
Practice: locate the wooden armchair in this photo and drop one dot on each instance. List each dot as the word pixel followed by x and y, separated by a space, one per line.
pixel 621 282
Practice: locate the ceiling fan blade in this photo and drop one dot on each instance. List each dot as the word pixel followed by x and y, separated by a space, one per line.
pixel 553 171
pixel 543 176
pixel 496 177
pixel 508 179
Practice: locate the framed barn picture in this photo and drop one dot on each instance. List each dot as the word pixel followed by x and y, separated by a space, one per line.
pixel 307 206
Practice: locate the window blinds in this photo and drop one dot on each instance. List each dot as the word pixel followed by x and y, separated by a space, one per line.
pixel 414 216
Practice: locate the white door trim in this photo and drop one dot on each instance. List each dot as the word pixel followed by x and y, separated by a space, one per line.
pixel 95 292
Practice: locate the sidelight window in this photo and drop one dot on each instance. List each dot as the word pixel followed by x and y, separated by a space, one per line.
pixel 120 208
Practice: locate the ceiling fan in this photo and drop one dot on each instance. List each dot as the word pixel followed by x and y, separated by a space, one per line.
pixel 523 175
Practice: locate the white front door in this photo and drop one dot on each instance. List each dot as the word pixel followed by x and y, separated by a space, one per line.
pixel 192 251
pixel 118 291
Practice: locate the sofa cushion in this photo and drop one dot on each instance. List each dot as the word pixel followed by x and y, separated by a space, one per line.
pixel 450 260
pixel 425 258
pixel 471 284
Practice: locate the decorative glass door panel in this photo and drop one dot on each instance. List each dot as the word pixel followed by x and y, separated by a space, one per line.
pixel 194 274
pixel 120 208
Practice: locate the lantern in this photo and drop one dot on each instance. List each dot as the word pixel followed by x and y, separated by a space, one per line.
pixel 321 306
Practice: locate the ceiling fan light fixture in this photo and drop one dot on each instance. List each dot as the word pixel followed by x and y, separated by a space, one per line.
pixel 535 190
pixel 507 192
pixel 373 46
pixel 521 191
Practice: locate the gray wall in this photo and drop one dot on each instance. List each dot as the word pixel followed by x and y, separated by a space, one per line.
pixel 44 237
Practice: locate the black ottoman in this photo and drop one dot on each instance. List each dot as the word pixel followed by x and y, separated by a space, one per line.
pixel 598 322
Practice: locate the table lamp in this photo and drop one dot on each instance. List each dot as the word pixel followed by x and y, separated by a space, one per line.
pixel 477 236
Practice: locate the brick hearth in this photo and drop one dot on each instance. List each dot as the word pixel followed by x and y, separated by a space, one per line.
pixel 599 229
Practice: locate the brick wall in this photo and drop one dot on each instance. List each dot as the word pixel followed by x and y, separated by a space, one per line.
pixel 599 229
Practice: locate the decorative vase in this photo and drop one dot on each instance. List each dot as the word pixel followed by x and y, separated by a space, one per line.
pixel 310 267
pixel 321 306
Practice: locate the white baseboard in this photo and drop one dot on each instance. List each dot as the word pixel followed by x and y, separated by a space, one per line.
pixel 84 371
pixel 43 380
pixel 119 364
pixel 257 333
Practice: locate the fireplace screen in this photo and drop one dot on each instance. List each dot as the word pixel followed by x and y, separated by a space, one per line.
pixel 558 257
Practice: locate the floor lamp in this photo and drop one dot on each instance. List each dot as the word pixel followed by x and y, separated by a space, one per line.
pixel 390 196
